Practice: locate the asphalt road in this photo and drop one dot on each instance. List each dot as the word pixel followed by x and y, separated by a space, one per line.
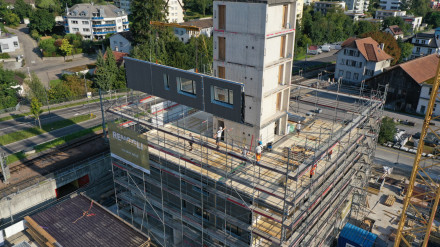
pixel 324 57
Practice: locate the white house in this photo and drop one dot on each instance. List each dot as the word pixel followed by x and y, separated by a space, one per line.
pixel 395 31
pixel 360 59
pixel 175 9
pixel 382 14
pixel 390 4
pixel 324 6
pixel 414 21
pixel 95 21
pixel 427 77
pixel 121 42
pixel 184 31
pixel 425 43
pixel 357 6
pixel 8 42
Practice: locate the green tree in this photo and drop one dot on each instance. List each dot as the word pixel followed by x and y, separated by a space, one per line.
pixel 60 91
pixel 8 95
pixel 143 12
pixel 42 21
pixel 389 42
pixel 66 48
pixel 49 5
pixel 387 130
pixel 405 49
pixel 11 18
pixel 365 27
pixel 420 7
pixel 22 9
pixel 433 18
pixel 36 109
pixel 36 88
pixel 397 20
pixel 48 47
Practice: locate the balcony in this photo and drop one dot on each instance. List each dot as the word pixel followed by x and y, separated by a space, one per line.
pixel 125 22
pixel 127 29
pixel 104 25
pixel 97 18
pixel 105 32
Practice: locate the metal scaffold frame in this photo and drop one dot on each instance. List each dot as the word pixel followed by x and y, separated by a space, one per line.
pixel 213 196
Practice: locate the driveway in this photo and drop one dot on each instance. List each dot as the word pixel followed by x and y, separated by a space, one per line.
pixel 31 52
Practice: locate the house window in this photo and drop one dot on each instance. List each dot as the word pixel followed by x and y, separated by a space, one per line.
pixel 359 64
pixel 201 213
pixel 348 75
pixel 121 44
pixel 430 91
pixel 418 49
pixel 369 72
pixel 15 44
pixel 183 204
pixel 75 29
pixel 74 22
pixel 85 22
pixel 429 51
pixel 186 85
pixel 355 76
pixel 341 73
pixel 166 81
pixel 233 229
pixel 342 61
pixel 222 17
pixel 86 30
pixel 221 48
pixel 223 95
pixel 5 46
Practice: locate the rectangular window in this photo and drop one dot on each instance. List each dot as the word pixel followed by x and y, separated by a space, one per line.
pixel 186 85
pixel 348 75
pixel 221 48
pixel 353 63
pixel 341 73
pixel 418 49
pixel 278 103
pixel 285 16
pixel 221 72
pixel 223 95
pixel 280 74
pixel 283 46
pixel 355 76
pixel 233 229
pixel 342 61
pixel 74 22
pixel 121 44
pixel 429 51
pixel 183 204
pixel 75 29
pixel 359 64
pixel 85 22
pixel 86 30
pixel 15 44
pixel 351 53
pixel 222 17
pixel 166 81
pixel 5 46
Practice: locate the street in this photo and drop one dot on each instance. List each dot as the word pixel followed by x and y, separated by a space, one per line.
pixel 45 70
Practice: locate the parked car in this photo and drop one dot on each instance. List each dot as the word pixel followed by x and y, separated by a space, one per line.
pixel 325 48
pixel 314 50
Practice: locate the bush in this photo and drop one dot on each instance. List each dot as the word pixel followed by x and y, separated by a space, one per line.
pixel 4 55
pixel 35 35
pixel 387 130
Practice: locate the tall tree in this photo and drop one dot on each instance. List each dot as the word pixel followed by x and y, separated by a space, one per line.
pixel 36 88
pixel 142 13
pixel 387 130
pixel 433 18
pixel 42 20
pixel 8 95
pixel 11 18
pixel 405 49
pixel 22 9
pixel 66 47
pixel 389 41
pixel 420 7
pixel 36 109
pixel 365 27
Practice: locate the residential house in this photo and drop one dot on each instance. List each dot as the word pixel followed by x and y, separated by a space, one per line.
pixel 382 14
pixel 414 21
pixel 324 6
pixel 95 21
pixel 8 42
pixel 175 9
pixel 184 31
pixel 405 82
pixel 390 4
pixel 425 43
pixel 356 16
pixel 395 31
pixel 122 42
pixel 357 6
pixel 360 59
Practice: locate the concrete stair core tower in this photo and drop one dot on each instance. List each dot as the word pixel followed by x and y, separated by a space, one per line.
pixel 253 44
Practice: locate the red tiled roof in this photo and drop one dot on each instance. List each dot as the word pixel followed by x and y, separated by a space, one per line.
pixel 119 56
pixel 421 69
pixel 395 30
pixel 368 47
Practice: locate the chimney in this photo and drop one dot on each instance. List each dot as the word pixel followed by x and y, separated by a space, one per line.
pixel 381 46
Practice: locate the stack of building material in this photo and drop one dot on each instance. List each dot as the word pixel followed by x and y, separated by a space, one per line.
pixel 390 200
pixel 39 234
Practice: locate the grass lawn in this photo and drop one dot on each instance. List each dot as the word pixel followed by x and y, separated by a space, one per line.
pixel 55 82
pixel 56 142
pixel 30 132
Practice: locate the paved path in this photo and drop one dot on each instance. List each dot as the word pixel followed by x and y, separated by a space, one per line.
pixel 28 44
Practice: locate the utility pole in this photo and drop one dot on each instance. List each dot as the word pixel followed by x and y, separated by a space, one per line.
pixel 4 168
pixel 103 116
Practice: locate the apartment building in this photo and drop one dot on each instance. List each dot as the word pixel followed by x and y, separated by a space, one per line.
pixel 390 4
pixel 324 6
pixel 95 21
pixel 357 6
pixel 382 14
pixel 175 9
pixel 360 59
pixel 425 43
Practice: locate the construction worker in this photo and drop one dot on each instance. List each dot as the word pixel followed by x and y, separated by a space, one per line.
pixel 258 151
pixel 298 127
pixel 191 141
pixel 330 154
pixel 218 136
pixel 312 171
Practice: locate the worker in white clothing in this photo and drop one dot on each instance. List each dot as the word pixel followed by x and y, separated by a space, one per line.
pixel 258 151
pixel 218 136
pixel 298 127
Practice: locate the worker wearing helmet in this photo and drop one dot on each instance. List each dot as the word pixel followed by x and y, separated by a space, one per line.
pixel 298 127
pixel 218 135
pixel 258 151
pixel 312 171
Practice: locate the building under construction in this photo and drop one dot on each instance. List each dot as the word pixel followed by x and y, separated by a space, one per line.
pixel 174 182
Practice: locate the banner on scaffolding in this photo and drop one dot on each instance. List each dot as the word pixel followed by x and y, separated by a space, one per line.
pixel 129 146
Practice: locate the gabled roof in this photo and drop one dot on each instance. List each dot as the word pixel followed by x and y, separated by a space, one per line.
pixel 395 30
pixel 87 10
pixel 368 47
pixel 127 35
pixel 420 69
pixel 201 23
